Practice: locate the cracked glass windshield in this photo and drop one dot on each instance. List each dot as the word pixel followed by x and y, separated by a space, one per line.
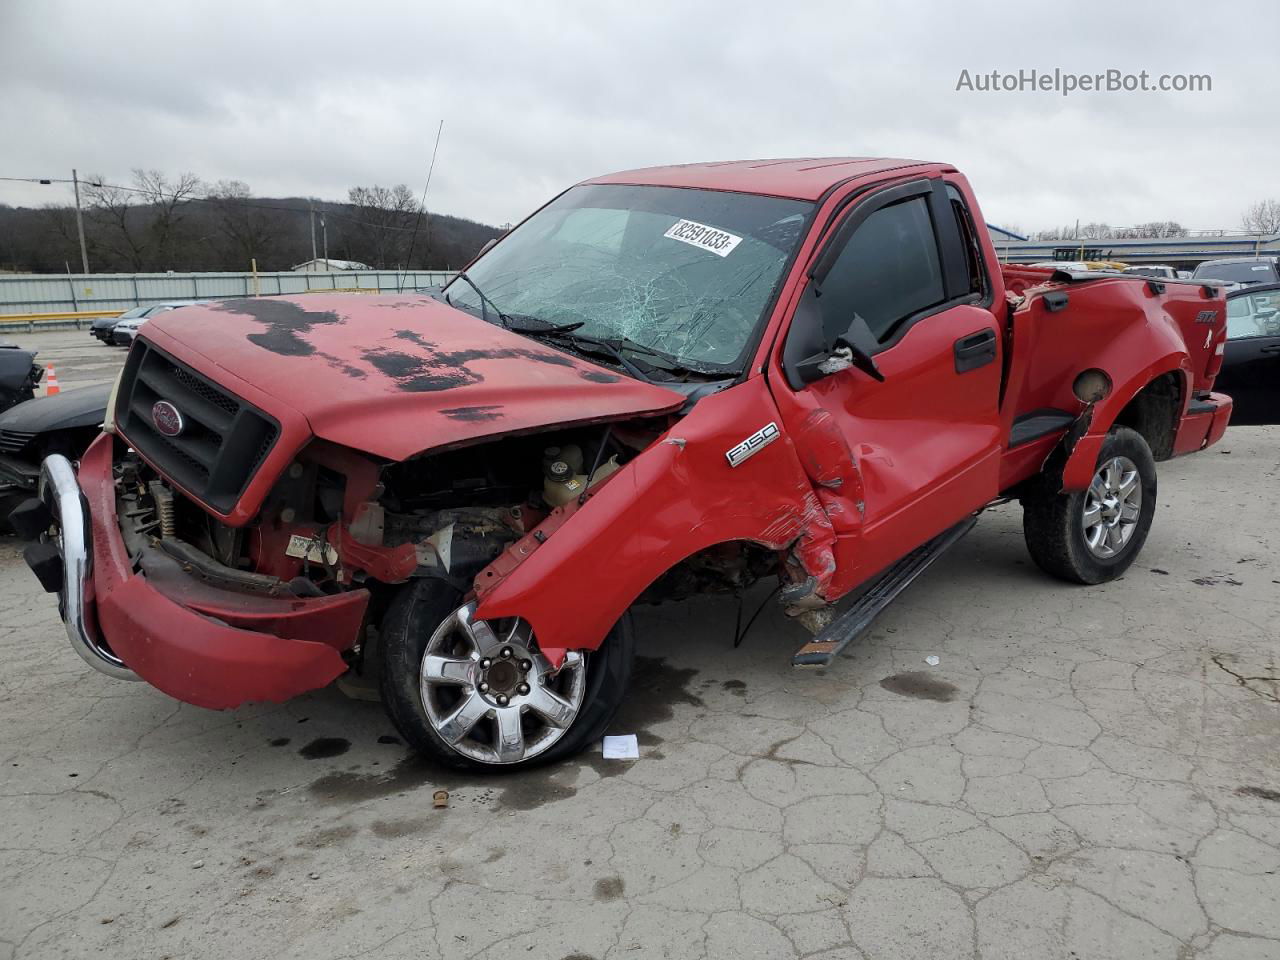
pixel 684 272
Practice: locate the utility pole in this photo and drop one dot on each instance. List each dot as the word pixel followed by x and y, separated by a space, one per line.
pixel 312 204
pixel 324 235
pixel 84 252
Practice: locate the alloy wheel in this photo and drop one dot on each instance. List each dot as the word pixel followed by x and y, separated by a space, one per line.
pixel 491 695
pixel 1112 505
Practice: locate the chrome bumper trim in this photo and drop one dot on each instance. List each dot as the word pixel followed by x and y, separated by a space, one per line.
pixel 60 492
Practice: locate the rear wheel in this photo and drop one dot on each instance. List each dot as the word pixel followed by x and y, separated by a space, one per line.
pixel 481 695
pixel 1093 535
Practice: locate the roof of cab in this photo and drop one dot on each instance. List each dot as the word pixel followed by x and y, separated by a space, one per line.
pixel 803 178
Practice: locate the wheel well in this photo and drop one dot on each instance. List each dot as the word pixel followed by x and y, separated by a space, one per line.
pixel 1154 412
pixel 725 567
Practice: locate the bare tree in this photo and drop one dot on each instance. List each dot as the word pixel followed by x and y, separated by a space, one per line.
pixel 384 218
pixel 112 210
pixel 1153 229
pixel 168 199
pixel 1094 231
pixel 249 231
pixel 60 226
pixel 1262 217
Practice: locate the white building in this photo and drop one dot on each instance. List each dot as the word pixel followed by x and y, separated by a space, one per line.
pixel 329 266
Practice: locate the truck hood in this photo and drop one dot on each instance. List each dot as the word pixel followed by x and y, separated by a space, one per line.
pixel 397 375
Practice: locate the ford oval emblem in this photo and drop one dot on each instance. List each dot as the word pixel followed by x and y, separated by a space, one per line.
pixel 167 419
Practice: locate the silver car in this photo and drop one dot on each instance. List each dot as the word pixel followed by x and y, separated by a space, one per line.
pixel 123 332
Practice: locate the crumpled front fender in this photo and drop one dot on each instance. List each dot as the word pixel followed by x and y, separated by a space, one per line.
pixel 677 497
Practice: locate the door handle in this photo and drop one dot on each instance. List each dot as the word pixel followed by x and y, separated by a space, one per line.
pixel 1270 348
pixel 975 350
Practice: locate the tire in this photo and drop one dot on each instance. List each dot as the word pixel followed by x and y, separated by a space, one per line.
pixel 422 616
pixel 1065 543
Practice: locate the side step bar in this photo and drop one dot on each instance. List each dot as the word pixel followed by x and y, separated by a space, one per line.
pixel 826 646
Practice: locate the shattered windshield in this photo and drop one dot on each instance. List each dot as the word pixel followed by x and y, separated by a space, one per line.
pixel 685 272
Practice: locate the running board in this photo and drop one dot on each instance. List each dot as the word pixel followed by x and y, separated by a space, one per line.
pixel 826 646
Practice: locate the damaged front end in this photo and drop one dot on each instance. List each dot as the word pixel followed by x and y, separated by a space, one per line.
pixel 218 614
pixel 248 540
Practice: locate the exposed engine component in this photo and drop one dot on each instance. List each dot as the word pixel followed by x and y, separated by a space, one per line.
pixel 563 476
pixel 335 519
pixel 162 497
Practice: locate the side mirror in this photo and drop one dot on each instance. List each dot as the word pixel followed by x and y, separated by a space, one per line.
pixel 488 245
pixel 816 346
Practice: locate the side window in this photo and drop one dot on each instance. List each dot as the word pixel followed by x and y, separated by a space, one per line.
pixel 1253 315
pixel 969 240
pixel 888 271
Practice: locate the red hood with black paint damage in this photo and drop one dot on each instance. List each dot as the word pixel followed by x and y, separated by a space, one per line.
pixel 394 375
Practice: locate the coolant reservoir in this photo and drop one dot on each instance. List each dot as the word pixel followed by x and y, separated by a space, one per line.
pixel 561 483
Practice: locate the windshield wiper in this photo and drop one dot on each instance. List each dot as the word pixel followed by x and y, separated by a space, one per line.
pixel 542 326
pixel 462 275
pixel 622 343
pixel 586 344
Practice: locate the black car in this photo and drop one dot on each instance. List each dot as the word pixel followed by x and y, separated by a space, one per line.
pixel 1243 270
pixel 65 423
pixel 101 327
pixel 104 328
pixel 1251 361
pixel 19 374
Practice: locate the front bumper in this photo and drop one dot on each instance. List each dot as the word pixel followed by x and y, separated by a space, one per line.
pixel 202 644
pixel 61 494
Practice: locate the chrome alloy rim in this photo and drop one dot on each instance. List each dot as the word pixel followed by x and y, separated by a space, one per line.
pixel 1112 505
pixel 491 695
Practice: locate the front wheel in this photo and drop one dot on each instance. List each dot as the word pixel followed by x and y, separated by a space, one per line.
pixel 1093 535
pixel 480 695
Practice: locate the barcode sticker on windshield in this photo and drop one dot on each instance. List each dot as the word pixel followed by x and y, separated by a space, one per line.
pixel 700 235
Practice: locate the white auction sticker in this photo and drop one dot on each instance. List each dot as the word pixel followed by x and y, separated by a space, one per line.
pixel 706 238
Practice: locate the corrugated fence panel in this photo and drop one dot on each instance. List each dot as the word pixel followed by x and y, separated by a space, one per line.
pixel 43 293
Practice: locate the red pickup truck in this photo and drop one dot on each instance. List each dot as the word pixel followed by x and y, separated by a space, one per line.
pixel 664 381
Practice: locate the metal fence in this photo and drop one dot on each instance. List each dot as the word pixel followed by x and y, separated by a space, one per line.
pixel 51 293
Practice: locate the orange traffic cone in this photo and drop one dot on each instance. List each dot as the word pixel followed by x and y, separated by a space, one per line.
pixel 50 381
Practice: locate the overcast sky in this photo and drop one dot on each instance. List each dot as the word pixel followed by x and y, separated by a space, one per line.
pixel 309 99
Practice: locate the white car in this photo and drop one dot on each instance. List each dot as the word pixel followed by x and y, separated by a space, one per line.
pixel 122 333
pixel 1156 271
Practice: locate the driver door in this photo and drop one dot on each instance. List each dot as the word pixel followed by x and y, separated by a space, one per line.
pixel 903 277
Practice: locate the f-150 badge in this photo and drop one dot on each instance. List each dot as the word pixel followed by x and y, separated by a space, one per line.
pixel 752 445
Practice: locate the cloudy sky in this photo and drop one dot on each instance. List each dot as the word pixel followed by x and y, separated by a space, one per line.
pixel 309 99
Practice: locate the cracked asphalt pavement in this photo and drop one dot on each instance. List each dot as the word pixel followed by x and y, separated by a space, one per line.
pixel 1086 773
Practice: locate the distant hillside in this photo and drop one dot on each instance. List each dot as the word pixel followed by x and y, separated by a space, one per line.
pixel 224 228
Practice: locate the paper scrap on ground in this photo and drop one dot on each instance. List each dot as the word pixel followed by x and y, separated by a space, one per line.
pixel 622 748
pixel 931 660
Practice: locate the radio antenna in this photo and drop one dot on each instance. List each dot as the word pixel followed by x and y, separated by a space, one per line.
pixel 413 238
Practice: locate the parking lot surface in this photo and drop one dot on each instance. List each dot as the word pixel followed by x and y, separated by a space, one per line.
pixel 1086 773
pixel 78 359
